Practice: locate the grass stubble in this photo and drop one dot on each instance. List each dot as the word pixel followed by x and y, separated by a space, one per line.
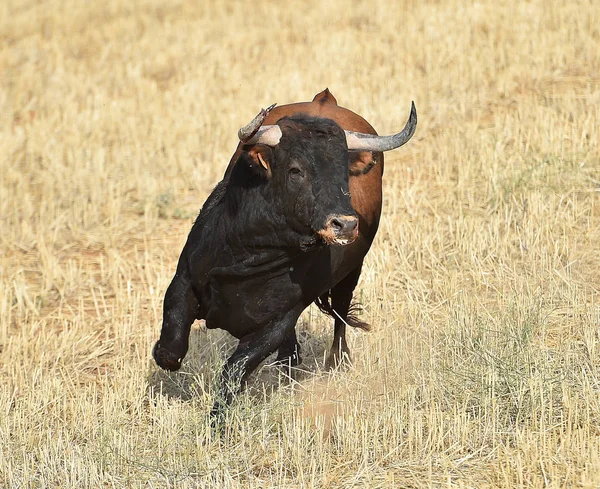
pixel 482 369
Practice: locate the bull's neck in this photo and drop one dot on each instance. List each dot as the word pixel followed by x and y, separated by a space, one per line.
pixel 255 220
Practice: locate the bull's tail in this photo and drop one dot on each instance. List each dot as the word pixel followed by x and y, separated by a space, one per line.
pixel 351 319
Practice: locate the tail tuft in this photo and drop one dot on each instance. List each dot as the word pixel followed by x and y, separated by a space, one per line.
pixel 351 319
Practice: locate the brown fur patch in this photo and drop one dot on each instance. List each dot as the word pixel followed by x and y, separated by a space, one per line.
pixel 325 97
pixel 260 157
pixel 328 235
pixel 362 162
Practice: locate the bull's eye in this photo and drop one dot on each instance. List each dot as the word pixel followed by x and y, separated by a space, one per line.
pixel 294 171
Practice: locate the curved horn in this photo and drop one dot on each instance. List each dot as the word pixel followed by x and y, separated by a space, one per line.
pixel 245 133
pixel 358 141
pixel 269 135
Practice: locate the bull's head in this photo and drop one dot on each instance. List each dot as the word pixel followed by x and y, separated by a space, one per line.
pixel 306 161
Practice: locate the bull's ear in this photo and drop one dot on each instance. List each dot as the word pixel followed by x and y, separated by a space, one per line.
pixel 260 158
pixel 361 162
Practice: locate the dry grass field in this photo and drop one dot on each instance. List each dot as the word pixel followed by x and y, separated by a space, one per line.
pixel 483 286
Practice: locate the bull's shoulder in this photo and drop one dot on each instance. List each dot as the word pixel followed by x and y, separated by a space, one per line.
pixel 207 232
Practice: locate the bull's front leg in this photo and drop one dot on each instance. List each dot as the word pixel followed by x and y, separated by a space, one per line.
pixel 289 353
pixel 180 309
pixel 250 352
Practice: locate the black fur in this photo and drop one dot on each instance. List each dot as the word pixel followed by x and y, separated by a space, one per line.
pixel 253 260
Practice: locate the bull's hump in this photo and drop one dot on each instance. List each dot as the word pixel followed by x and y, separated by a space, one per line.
pixel 325 97
pixel 323 104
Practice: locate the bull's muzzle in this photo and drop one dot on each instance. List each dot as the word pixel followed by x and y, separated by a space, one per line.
pixel 340 230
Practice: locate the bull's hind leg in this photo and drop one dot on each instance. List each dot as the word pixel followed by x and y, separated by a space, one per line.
pixel 250 352
pixel 341 298
pixel 180 309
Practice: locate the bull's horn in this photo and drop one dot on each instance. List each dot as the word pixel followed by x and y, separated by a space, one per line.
pixel 247 132
pixel 269 135
pixel 358 141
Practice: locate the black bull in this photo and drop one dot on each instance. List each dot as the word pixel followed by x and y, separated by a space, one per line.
pixel 289 224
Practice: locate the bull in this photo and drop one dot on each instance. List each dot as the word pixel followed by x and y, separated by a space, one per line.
pixel 289 224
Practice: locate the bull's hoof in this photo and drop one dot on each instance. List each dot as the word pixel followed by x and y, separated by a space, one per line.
pixel 165 359
pixel 289 361
pixel 289 355
pixel 338 360
pixel 287 366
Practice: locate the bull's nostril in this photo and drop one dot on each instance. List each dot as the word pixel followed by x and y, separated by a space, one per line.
pixel 337 224
pixel 343 225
